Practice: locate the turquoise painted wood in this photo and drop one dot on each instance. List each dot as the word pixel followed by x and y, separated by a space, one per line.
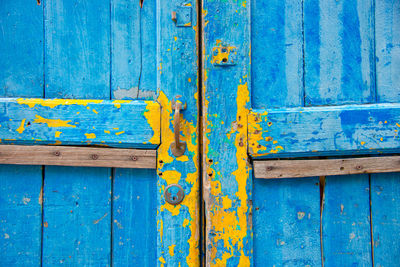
pixel 350 129
pixel 76 216
pixel 385 217
pixel 20 215
pixel 70 122
pixel 134 205
pixel 346 228
pixel 286 222
pixel 21 188
pixel 21 63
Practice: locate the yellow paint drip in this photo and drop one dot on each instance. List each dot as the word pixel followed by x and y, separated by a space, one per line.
pixel 57 134
pixel 171 250
pixel 53 122
pixel 21 128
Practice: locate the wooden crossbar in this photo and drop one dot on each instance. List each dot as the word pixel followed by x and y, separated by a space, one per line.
pixel 77 156
pixel 270 169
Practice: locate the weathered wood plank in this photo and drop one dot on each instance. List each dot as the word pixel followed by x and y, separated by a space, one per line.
pixel 346 230
pixel 277 53
pixel 77 216
pixel 226 98
pixel 385 212
pixel 125 123
pixel 339 52
pixel 21 50
pixel 20 215
pixel 134 217
pixel 286 221
pixel 133 49
pixel 351 129
pixel 77 49
pixel 77 156
pixel 387 38
pixel 178 227
pixel 268 169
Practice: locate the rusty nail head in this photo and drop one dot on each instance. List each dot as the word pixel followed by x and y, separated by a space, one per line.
pixel 94 156
pixel 269 168
pixel 359 167
pixel 134 158
pixel 57 153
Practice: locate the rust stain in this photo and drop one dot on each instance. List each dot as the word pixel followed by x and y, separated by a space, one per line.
pixel 38 2
pixel 97 221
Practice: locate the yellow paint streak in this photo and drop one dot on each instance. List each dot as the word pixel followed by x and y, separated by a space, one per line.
pixel 57 134
pixel 106 131
pixel 152 115
pixel 90 135
pixel 117 103
pixel 168 176
pixel 171 250
pixel 53 122
pixel 95 111
pixel 121 132
pixel 52 103
pixel 21 128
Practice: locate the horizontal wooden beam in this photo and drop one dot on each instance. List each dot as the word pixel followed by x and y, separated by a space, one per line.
pixel 77 156
pixel 270 169
pixel 328 130
pixel 115 123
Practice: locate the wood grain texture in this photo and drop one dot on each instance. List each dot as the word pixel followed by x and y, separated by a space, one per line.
pixel 77 49
pixel 133 53
pixel 77 216
pixel 277 53
pixel 227 175
pixel 77 156
pixel 178 237
pixel 268 169
pixel 385 212
pixel 339 52
pixel 346 230
pixel 351 129
pixel 133 57
pixel 134 217
pixel 133 124
pixel 286 219
pixel 21 51
pixel 20 215
pixel 387 39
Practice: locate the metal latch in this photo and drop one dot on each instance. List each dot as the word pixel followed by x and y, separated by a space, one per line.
pixel 182 16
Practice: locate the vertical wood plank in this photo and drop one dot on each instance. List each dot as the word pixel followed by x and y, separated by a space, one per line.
pixel 339 52
pixel 387 34
pixel 77 65
pixel 346 221
pixel 76 216
pixel 77 49
pixel 21 50
pixel 177 69
pixel 277 53
pixel 385 211
pixel 21 75
pixel 226 100
pixel 134 77
pixel 286 219
pixel 134 217
pixel 133 49
pixel 20 215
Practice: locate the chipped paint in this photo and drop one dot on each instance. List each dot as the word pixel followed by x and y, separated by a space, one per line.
pixel 52 103
pixel 21 128
pixel 53 122
pixel 152 115
pixel 90 135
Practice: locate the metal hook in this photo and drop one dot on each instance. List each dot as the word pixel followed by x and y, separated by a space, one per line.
pixel 178 148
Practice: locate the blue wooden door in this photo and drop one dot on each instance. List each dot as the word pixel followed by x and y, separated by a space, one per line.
pixel 106 74
pixel 290 79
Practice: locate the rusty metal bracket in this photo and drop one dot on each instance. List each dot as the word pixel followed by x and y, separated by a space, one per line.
pixel 224 55
pixel 182 16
